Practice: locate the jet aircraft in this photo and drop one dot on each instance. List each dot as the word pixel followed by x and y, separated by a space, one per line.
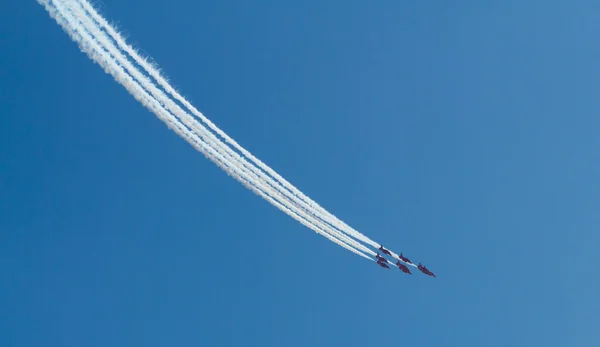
pixel 383 265
pixel 381 259
pixel 404 259
pixel 403 268
pixel 384 251
pixel 425 270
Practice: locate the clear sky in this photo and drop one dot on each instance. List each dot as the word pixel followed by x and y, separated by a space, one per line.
pixel 462 133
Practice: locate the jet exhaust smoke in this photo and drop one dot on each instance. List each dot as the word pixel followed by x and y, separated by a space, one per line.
pixel 197 128
pixel 96 53
pixel 105 46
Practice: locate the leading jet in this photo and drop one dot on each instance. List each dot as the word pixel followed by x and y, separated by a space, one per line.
pixel 403 268
pixel 425 270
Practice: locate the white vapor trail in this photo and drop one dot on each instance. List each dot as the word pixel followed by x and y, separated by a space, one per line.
pixel 154 72
pixel 201 130
pixel 89 46
pixel 197 128
pixel 96 38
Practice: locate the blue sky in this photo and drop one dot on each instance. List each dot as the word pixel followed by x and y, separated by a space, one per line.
pixel 463 134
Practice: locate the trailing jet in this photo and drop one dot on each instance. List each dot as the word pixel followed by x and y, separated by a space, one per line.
pixel 385 251
pixel 425 270
pixel 404 259
pixel 403 268
pixel 383 265
pixel 381 259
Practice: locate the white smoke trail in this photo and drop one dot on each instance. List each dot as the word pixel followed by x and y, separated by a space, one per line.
pixel 198 128
pixel 187 119
pixel 306 202
pixel 315 208
pixel 97 54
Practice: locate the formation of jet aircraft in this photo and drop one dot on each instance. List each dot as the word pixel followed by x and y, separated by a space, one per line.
pixel 381 261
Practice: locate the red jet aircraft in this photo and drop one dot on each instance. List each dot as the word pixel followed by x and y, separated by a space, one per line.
pixel 425 270
pixel 404 259
pixel 381 259
pixel 403 268
pixel 385 251
pixel 383 265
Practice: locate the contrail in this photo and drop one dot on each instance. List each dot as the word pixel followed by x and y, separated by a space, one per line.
pixel 96 48
pixel 96 53
pixel 196 126
pixel 155 73
pixel 159 100
pixel 178 112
